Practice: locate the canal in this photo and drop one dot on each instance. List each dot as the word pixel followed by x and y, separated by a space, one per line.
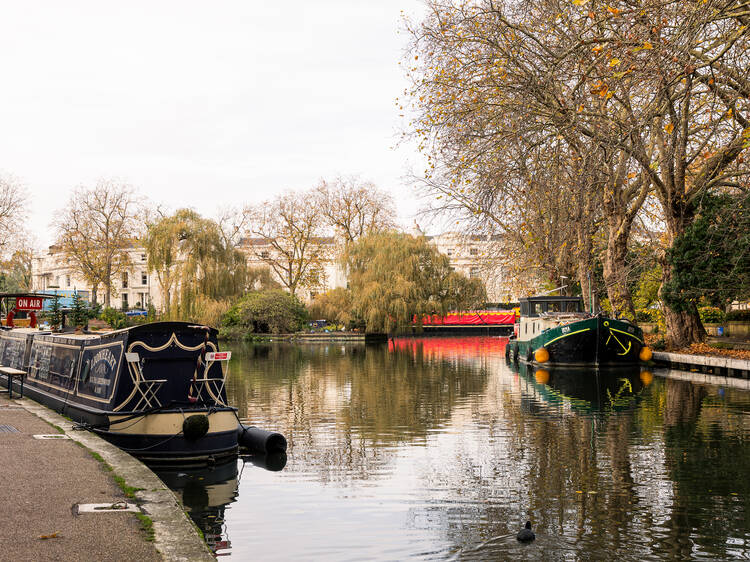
pixel 435 448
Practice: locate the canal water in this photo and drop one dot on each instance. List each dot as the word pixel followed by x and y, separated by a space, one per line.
pixel 436 448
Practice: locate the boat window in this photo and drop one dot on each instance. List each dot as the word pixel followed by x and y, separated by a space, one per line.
pixel 525 328
pixel 553 307
pixel 538 308
pixel 573 307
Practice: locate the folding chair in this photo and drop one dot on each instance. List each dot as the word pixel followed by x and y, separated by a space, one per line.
pixel 215 385
pixel 147 388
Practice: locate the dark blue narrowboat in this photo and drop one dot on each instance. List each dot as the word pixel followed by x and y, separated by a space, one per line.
pixel 154 390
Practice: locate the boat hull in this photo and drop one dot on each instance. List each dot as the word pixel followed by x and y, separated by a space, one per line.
pixel 594 341
pixel 153 437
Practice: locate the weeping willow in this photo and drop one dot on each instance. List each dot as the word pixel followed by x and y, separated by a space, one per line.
pixel 396 277
pixel 199 271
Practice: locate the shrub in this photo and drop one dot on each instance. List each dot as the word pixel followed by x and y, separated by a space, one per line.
pixel 115 318
pixel 270 311
pixel 738 315
pixel 649 315
pixel 711 314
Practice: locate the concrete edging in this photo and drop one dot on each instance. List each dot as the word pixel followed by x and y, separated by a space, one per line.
pixel 737 368
pixel 175 536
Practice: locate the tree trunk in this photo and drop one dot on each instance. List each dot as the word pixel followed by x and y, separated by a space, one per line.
pixel 615 271
pixel 107 292
pixel 585 267
pixel 683 326
pixel 94 296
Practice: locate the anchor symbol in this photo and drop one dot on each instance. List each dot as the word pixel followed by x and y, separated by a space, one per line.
pixel 626 350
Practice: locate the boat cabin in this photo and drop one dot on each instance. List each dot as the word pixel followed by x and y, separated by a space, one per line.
pixel 541 313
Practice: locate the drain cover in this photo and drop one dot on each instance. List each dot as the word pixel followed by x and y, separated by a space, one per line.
pixel 106 507
pixel 8 429
pixel 52 436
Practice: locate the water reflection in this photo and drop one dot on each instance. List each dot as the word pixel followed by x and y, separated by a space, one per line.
pixel 435 448
pixel 205 495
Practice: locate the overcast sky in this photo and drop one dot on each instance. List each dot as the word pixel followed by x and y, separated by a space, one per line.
pixel 201 104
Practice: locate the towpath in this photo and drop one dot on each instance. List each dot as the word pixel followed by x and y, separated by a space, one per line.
pixel 43 481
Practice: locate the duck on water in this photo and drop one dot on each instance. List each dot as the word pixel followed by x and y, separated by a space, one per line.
pixel 155 390
pixel 526 534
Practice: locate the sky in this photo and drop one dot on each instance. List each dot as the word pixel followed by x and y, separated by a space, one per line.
pixel 202 104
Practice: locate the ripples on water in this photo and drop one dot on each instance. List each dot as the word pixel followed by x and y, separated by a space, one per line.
pixel 435 448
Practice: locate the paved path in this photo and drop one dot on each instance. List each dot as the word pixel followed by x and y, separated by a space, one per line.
pixel 41 482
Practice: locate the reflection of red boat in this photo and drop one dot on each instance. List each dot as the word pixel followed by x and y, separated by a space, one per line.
pixel 472 318
pixel 450 347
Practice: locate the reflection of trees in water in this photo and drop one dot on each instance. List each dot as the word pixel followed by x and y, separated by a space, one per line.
pixel 707 455
pixel 344 408
pixel 535 466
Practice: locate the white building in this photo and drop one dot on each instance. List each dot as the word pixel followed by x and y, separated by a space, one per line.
pixel 478 256
pixel 475 256
pixel 131 289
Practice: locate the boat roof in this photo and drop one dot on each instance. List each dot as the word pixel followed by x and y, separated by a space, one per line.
pixel 551 298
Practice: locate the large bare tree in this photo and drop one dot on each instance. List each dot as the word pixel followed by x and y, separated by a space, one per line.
pixel 96 229
pixel 354 207
pixel 657 89
pixel 13 196
pixel 288 235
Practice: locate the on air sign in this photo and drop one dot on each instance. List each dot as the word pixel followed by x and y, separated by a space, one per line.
pixel 29 303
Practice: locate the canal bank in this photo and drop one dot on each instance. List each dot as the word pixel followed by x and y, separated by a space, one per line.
pixel 53 472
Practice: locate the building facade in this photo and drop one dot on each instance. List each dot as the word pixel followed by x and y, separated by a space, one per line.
pixel 132 289
pixel 475 256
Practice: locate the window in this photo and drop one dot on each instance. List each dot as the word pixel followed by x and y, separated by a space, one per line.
pixel 473 252
pixel 125 281
pixel 144 278
pixel 474 272
pixel 143 257
pixel 264 255
pixel 124 301
pixel 449 252
pixel 67 280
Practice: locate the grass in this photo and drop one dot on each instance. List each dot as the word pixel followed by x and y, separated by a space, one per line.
pixel 128 490
pixel 147 525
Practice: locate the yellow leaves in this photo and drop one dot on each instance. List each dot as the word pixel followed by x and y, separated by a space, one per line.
pixel 631 175
pixel 647 46
pixel 729 113
pixel 600 88
pixel 580 108
pixel 579 2
pixel 613 11
pixel 669 128
pixel 614 62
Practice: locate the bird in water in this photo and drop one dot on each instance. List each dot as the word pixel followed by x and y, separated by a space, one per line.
pixel 526 534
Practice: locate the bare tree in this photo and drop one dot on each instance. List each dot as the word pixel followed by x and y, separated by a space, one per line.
pixel 96 229
pixel 289 238
pixel 13 196
pixel 354 207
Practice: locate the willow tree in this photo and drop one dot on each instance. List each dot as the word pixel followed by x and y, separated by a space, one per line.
pixel 195 264
pixel 396 277
pixel 95 231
